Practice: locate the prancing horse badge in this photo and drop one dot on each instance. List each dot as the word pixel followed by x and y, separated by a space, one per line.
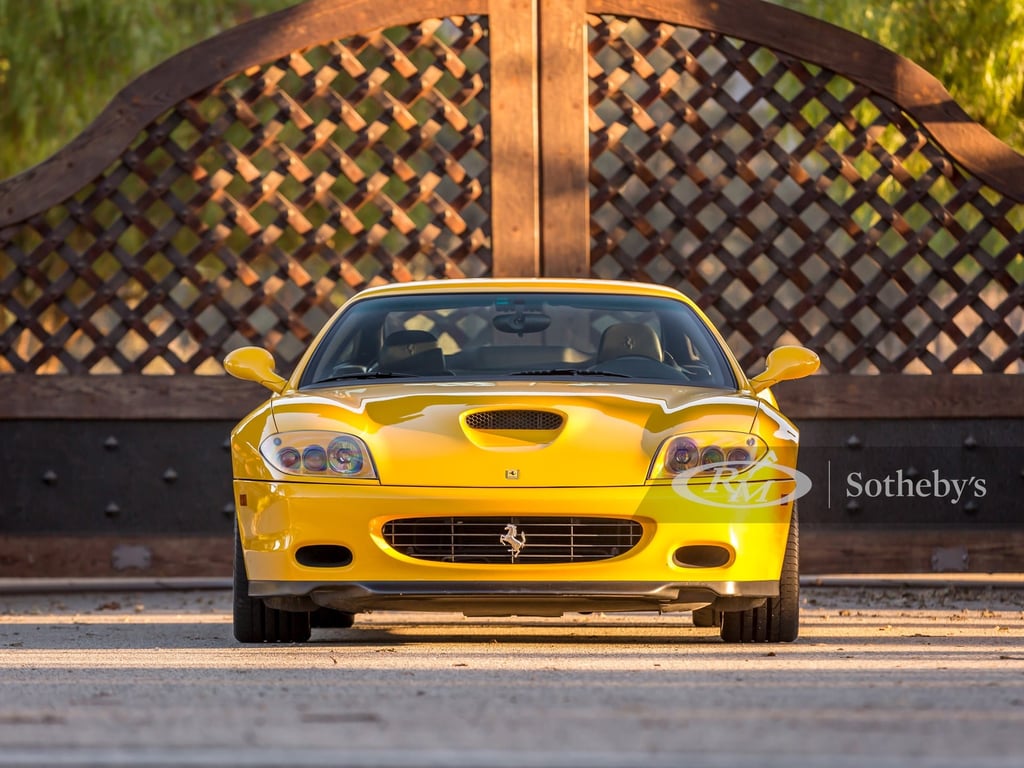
pixel 509 539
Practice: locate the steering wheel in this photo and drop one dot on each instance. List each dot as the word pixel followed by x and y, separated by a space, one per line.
pixel 697 371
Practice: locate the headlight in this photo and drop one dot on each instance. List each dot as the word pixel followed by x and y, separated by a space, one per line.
pixel 707 452
pixel 319 454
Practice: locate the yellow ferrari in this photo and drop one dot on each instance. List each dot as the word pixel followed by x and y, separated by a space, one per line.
pixel 517 447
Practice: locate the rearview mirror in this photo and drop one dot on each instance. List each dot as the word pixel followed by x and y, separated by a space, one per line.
pixel 255 364
pixel 521 322
pixel 784 364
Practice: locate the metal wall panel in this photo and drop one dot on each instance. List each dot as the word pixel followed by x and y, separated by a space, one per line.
pixel 931 473
pixel 115 477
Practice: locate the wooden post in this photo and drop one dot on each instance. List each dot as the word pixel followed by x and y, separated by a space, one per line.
pixel 564 142
pixel 515 193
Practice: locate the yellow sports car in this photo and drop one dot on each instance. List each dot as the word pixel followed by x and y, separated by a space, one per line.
pixel 517 447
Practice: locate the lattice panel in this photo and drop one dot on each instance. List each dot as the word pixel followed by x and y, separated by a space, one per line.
pixel 248 213
pixel 796 206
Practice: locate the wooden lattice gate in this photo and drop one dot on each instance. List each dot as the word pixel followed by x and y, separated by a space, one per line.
pixel 801 183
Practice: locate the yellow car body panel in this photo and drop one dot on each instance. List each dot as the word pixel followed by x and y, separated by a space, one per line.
pixel 622 425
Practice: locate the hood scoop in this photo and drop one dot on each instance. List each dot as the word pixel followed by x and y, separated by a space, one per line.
pixel 515 419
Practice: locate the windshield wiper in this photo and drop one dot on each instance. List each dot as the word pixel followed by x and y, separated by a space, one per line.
pixel 368 375
pixel 570 372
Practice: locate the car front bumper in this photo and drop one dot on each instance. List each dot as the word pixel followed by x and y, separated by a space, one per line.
pixel 277 519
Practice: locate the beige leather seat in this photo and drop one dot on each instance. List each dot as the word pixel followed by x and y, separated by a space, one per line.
pixel 629 339
pixel 412 352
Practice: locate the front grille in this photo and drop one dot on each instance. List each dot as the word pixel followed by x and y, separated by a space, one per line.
pixel 541 539
pixel 514 420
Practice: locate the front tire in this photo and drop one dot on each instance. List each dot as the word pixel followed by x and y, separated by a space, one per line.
pixel 253 621
pixel 778 620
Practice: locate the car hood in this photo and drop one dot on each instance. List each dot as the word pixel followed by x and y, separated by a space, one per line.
pixel 511 434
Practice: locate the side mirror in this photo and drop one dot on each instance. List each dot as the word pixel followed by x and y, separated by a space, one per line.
pixel 255 364
pixel 784 364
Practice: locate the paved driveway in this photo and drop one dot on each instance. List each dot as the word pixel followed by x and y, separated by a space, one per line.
pixel 882 676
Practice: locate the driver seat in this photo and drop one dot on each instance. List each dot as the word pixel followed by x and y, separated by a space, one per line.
pixel 414 352
pixel 626 339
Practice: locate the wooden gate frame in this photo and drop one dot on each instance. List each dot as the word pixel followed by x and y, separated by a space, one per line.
pixel 540 213
pixel 538 69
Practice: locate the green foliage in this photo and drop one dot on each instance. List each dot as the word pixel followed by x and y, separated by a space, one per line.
pixel 974 47
pixel 61 61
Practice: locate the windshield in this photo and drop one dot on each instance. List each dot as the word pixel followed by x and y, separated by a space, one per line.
pixel 506 335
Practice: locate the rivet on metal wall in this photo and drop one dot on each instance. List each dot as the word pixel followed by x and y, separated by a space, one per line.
pixel 226 445
pixel 853 442
pixel 170 475
pixel 229 509
pixel 50 477
pixel 112 510
pixel 971 508
pixel 912 472
pixel 852 507
pixel 111 443
pixel 970 443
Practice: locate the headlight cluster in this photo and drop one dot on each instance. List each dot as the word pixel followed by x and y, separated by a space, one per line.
pixel 707 452
pixel 319 454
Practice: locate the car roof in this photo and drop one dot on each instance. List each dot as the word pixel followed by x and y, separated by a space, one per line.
pixel 535 284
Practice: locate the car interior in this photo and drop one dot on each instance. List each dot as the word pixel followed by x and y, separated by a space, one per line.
pixel 543 336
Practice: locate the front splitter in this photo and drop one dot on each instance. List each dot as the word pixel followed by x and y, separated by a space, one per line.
pixel 507 599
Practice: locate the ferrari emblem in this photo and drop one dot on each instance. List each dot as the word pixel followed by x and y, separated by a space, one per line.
pixel 508 538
